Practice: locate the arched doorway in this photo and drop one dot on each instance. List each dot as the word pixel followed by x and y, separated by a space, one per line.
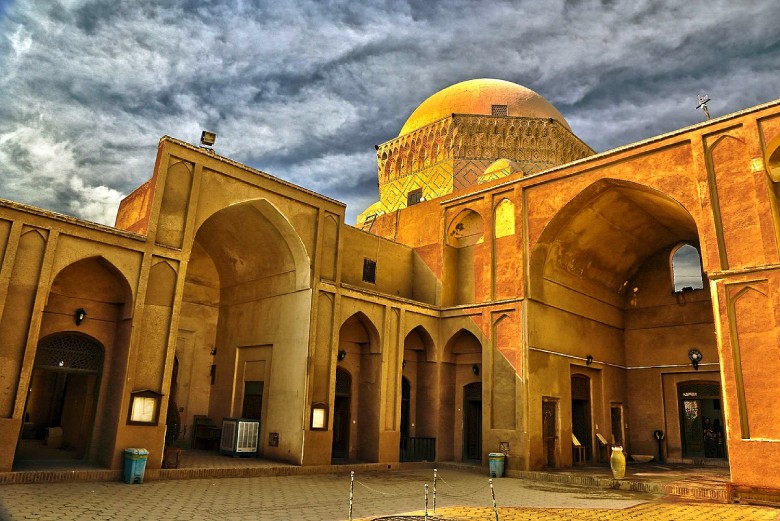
pixel 60 408
pixel 419 402
pixel 460 410
pixel 701 420
pixel 341 416
pixel 472 422
pixel 580 411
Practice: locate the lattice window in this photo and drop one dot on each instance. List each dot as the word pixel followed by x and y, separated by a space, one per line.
pixel 369 271
pixel 69 352
pixel 499 110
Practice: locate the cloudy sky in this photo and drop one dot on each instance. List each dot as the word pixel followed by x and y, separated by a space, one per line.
pixel 305 89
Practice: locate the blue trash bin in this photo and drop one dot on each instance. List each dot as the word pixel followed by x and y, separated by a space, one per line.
pixel 135 464
pixel 496 460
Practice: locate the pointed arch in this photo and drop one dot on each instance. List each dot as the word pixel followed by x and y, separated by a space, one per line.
pixel 686 269
pixel 162 285
pixel 359 329
pixel 419 339
pixel 465 229
pixel 462 341
pixel 635 220
pixel 504 220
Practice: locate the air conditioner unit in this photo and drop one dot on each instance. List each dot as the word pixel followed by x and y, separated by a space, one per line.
pixel 239 436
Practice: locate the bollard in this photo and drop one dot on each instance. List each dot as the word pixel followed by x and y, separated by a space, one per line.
pixel 493 493
pixel 351 491
pixel 434 491
pixel 426 501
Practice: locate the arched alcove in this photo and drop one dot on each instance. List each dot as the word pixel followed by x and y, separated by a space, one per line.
pixel 359 354
pixel 601 299
pixel 243 329
pixel 462 366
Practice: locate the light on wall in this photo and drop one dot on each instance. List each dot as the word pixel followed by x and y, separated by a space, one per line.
pixel 695 357
pixel 319 417
pixel 342 355
pixel 475 369
pixel 79 315
pixel 588 359
pixel 144 407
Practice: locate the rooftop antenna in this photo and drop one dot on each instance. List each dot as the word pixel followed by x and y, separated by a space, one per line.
pixel 703 105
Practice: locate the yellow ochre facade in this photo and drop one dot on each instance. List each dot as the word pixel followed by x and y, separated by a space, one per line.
pixel 511 291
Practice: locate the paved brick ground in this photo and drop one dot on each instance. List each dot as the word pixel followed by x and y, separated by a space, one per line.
pixel 460 495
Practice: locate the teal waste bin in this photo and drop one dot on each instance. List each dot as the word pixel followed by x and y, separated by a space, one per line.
pixel 135 464
pixel 496 460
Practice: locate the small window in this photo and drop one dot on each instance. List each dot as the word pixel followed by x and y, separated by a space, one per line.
pixel 369 271
pixel 686 269
pixel 414 197
pixel 499 110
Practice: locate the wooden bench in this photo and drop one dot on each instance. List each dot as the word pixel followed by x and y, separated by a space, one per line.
pixel 578 451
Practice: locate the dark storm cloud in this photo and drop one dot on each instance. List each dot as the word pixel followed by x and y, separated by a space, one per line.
pixel 304 89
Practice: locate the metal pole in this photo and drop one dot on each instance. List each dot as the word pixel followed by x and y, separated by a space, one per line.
pixel 351 491
pixel 426 501
pixel 493 493
pixel 434 491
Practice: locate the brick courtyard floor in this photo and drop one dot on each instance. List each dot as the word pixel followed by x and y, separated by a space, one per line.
pixel 461 494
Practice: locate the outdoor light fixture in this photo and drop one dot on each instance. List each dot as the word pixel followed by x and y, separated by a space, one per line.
pixel 207 138
pixel 342 355
pixel 403 364
pixel 475 369
pixel 214 351
pixel 588 359
pixel 79 315
pixel 695 356
pixel 319 417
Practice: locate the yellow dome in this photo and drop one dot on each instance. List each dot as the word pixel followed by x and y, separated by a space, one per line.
pixel 478 97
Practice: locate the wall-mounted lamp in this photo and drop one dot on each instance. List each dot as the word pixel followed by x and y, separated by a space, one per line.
pixel 342 355
pixel 695 357
pixel 403 364
pixel 214 351
pixel 588 359
pixel 475 369
pixel 207 138
pixel 79 315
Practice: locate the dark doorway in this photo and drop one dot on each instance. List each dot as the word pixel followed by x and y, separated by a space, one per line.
pixel 472 422
pixel 406 394
pixel 580 412
pixel 172 418
pixel 341 417
pixel 701 420
pixel 616 420
pixel 60 407
pixel 253 400
pixel 550 430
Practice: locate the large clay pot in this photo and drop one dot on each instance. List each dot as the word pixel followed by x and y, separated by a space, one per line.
pixel 617 462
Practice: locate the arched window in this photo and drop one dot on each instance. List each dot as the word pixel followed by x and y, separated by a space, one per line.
pixel 686 269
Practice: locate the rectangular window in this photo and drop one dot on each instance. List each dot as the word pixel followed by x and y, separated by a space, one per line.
pixel 414 197
pixel 499 110
pixel 369 271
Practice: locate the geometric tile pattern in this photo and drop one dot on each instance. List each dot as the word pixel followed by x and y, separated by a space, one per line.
pixel 453 153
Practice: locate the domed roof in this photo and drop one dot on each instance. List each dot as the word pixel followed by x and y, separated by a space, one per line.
pixel 478 97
